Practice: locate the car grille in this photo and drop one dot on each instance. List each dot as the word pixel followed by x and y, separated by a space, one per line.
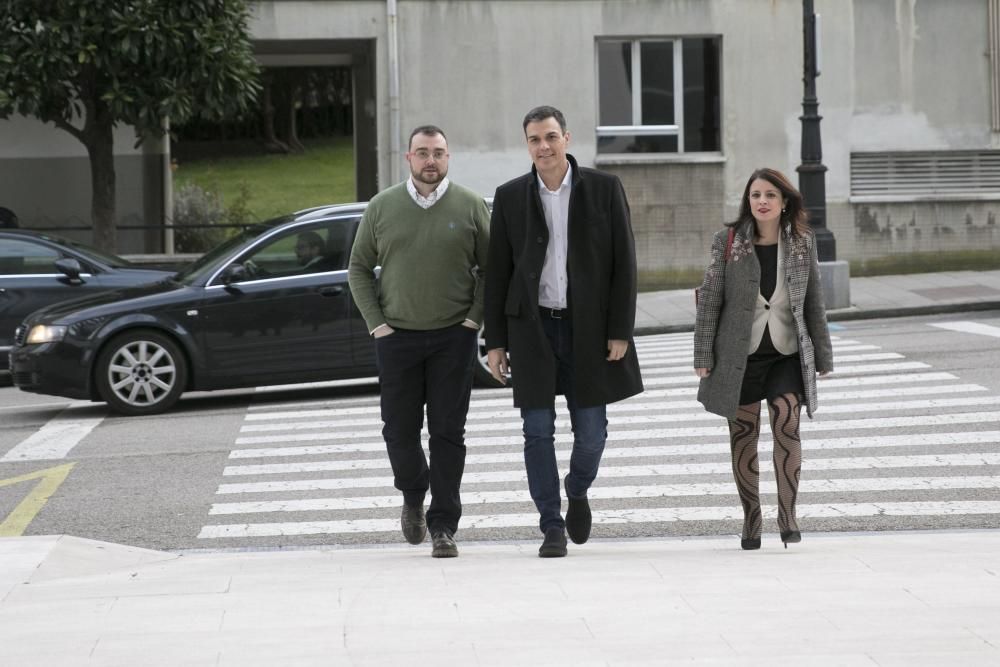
pixel 20 334
pixel 22 379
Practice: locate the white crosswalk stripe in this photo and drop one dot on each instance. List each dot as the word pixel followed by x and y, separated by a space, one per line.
pixel 495 425
pixel 867 442
pixel 605 517
pixel 977 328
pixel 842 463
pixel 598 493
pixel 893 438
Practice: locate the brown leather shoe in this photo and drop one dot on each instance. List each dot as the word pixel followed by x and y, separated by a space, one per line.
pixel 554 545
pixel 414 523
pixel 444 545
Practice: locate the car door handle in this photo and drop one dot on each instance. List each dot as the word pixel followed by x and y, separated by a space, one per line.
pixel 336 290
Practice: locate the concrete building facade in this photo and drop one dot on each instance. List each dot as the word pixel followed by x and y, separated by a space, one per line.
pixel 681 98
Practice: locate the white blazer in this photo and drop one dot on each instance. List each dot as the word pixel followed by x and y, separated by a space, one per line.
pixel 775 314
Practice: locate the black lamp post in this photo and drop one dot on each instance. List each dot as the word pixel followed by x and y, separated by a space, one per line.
pixel 812 171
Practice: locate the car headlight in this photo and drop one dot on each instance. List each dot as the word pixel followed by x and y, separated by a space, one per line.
pixel 45 333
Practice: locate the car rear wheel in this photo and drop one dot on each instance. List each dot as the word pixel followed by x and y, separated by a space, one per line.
pixel 141 373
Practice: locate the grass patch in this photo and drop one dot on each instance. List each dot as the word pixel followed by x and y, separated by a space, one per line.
pixel 927 262
pixel 274 185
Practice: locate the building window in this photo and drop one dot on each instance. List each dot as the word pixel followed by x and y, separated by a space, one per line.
pixel 658 95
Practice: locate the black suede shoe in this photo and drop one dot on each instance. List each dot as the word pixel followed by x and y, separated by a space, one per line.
pixel 444 544
pixel 554 545
pixel 578 518
pixel 414 523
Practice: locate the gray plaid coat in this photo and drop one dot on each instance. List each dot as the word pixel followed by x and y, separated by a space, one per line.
pixel 725 315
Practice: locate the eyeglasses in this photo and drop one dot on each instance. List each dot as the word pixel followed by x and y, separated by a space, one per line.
pixel 423 154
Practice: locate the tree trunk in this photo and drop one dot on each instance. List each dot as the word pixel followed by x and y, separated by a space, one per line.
pixel 283 92
pixel 271 142
pixel 99 140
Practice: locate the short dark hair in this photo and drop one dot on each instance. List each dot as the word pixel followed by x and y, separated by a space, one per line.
pixel 312 239
pixel 541 113
pixel 429 130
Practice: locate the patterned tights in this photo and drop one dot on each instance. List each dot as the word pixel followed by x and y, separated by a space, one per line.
pixel 743 435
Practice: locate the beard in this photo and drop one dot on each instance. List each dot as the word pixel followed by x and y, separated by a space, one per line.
pixel 429 177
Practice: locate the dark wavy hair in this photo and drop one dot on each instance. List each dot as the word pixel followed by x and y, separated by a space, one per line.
pixel 794 208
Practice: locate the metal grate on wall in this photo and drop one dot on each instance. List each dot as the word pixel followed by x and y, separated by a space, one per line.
pixel 925 175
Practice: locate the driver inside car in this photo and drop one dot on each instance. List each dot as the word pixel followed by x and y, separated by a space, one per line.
pixel 309 247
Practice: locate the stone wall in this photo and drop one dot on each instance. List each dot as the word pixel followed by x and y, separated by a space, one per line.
pixel 676 208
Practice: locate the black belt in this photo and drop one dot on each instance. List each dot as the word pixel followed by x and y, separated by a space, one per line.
pixel 554 313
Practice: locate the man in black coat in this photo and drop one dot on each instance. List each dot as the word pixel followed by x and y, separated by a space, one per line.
pixel 560 301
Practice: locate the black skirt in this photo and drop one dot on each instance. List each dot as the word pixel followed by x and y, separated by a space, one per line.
pixel 770 374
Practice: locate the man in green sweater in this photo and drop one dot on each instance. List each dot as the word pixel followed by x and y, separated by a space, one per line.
pixel 430 237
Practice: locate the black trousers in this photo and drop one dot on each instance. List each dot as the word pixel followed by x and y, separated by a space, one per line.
pixel 434 368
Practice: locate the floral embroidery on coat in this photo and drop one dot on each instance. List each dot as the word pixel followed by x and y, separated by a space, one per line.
pixel 742 246
pixel 798 245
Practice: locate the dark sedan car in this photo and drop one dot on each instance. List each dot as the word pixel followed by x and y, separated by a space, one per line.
pixel 38 270
pixel 251 312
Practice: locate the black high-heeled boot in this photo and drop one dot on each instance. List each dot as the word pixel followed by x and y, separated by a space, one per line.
pixel 790 536
pixel 750 544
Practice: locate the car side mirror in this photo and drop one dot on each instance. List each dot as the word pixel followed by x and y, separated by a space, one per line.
pixel 234 273
pixel 70 267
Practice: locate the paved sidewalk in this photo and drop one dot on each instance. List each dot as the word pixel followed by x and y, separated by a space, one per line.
pixel 927 598
pixel 881 296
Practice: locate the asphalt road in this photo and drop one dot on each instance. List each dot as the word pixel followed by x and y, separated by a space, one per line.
pixel 907 437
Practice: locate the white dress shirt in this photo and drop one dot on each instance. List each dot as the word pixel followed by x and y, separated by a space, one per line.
pixel 554 279
pixel 432 198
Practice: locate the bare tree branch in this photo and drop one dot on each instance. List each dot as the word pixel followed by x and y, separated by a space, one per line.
pixel 65 125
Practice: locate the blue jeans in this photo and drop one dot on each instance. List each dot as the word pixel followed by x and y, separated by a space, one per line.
pixel 590 432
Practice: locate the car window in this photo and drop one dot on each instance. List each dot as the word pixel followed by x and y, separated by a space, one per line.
pixel 111 260
pixel 316 248
pixel 204 265
pixel 19 257
pixel 276 257
pixel 339 236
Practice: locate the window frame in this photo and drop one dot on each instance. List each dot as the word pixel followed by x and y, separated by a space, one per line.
pixel 637 129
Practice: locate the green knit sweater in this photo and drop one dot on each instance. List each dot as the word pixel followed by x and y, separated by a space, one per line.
pixel 432 259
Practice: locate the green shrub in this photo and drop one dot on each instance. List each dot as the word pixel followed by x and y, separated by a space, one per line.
pixel 202 220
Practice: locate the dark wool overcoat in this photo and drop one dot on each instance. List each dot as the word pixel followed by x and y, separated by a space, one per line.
pixel 726 303
pixel 601 297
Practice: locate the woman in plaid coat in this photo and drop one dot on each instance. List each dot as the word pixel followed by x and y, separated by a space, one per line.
pixel 761 334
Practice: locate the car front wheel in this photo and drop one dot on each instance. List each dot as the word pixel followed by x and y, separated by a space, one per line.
pixel 141 373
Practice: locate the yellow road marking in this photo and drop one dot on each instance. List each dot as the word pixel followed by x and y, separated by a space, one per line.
pixel 48 481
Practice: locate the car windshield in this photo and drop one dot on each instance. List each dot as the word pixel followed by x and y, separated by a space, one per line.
pixel 101 256
pixel 198 269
